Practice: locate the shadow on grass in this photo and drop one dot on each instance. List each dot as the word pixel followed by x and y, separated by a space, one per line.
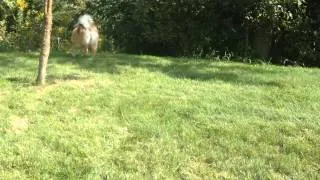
pixel 51 79
pixel 103 63
pixel 22 81
pixel 20 69
pixel 183 68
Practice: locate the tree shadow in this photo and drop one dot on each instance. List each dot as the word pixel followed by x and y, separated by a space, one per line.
pixel 51 79
pixel 230 73
pixel 20 69
pixel 100 64
pixel 22 81
pixel 12 60
pixel 5 60
pixel 66 77
pixel 182 68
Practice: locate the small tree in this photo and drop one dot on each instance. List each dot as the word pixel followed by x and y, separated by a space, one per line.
pixel 45 46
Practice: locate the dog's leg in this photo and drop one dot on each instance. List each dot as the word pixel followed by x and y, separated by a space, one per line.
pixel 93 49
pixel 86 49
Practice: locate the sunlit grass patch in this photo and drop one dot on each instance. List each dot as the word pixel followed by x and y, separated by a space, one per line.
pixel 121 116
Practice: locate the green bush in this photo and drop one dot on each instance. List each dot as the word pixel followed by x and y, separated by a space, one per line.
pixel 205 28
pixel 279 31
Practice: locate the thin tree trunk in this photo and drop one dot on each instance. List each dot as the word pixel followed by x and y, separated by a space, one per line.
pixel 45 46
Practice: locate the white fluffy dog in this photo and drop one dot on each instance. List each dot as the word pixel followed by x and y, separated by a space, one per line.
pixel 85 35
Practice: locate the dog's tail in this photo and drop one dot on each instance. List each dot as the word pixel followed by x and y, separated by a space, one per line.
pixel 85 20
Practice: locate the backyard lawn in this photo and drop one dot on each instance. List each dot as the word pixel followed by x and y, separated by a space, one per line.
pixel 118 116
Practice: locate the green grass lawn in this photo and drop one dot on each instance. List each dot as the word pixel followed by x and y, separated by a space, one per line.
pixel 145 117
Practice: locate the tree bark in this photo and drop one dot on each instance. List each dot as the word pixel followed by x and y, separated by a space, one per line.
pixel 46 43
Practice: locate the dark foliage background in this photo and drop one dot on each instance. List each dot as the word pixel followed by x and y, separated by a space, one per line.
pixel 279 31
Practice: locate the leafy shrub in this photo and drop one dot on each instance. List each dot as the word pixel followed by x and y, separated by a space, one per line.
pixel 279 31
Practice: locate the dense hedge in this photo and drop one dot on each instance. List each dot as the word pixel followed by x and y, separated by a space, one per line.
pixel 280 31
pixel 283 31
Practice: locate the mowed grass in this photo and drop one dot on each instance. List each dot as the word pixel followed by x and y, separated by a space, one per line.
pixel 144 117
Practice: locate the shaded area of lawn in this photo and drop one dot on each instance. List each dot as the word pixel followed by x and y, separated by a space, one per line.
pixel 183 68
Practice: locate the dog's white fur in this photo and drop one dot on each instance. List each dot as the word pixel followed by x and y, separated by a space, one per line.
pixel 85 34
pixel 86 20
